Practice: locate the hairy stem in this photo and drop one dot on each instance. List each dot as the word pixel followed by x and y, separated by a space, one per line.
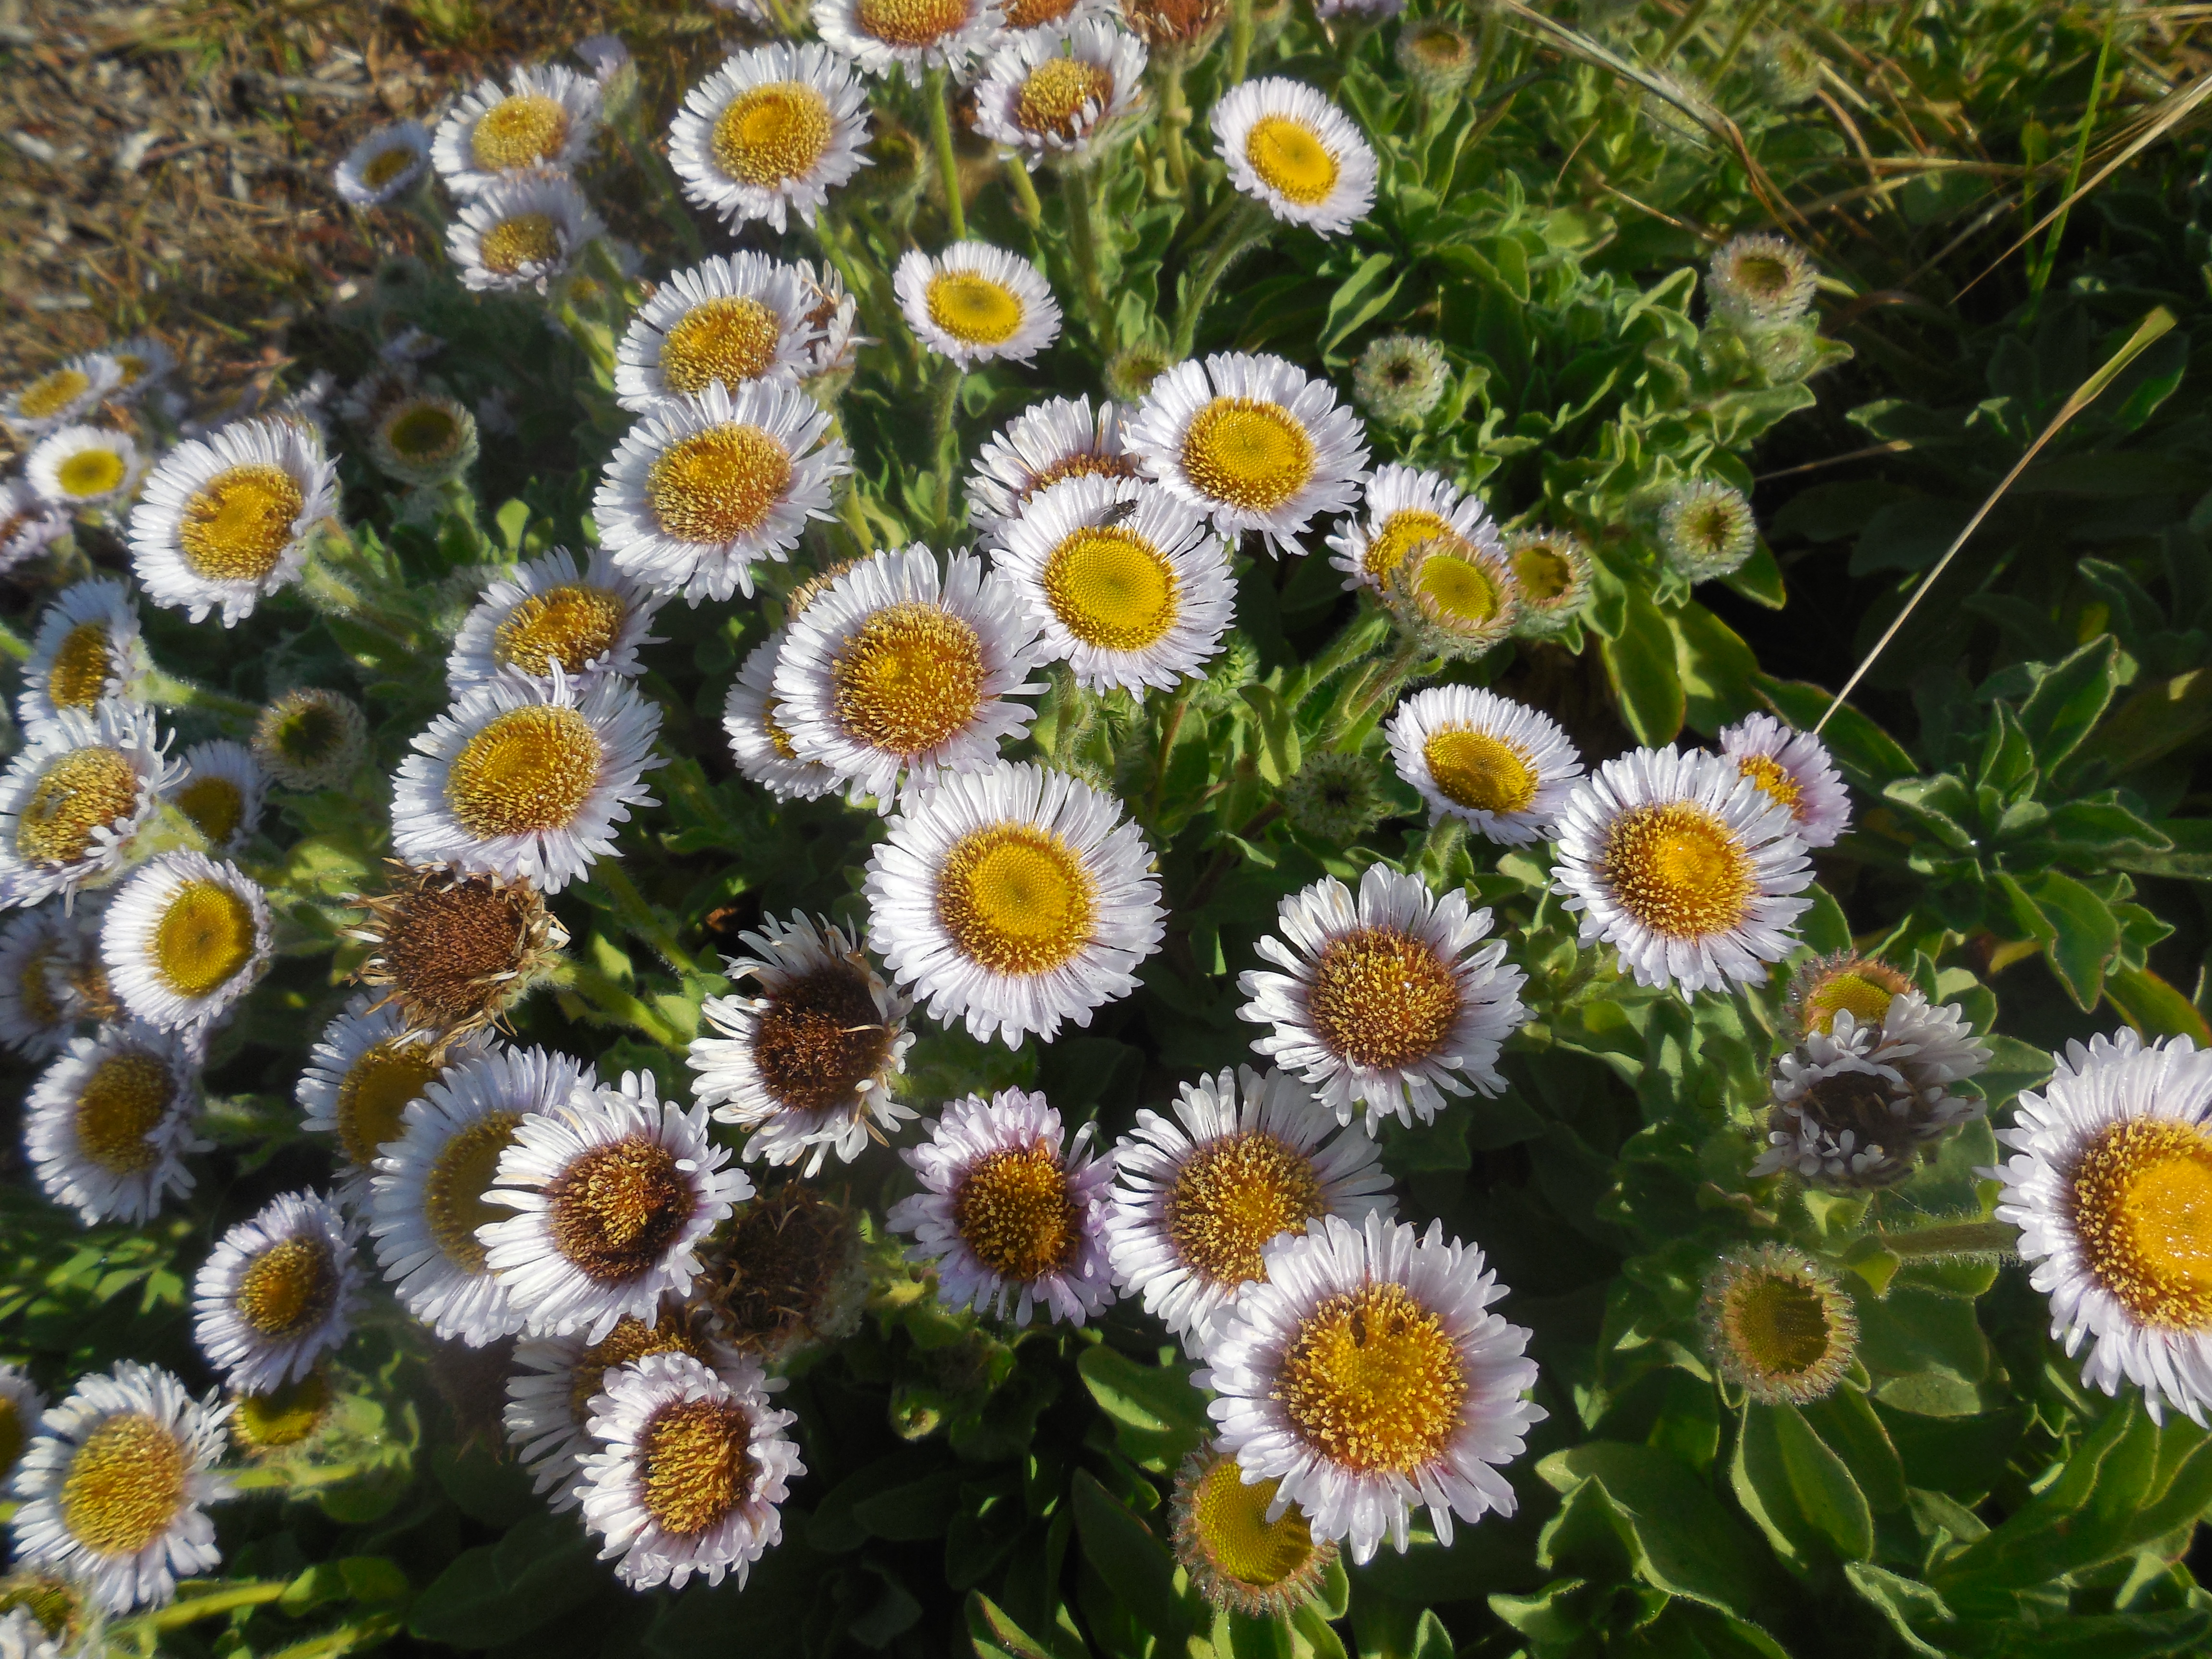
pixel 936 94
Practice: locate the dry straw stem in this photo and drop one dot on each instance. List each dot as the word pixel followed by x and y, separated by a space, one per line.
pixel 2151 328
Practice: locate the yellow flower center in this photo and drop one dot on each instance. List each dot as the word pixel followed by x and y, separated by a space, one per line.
pixel 289 1288
pixel 1291 160
pixel 820 1038
pixel 121 1104
pixel 732 339
pixel 1383 998
pixel 618 1208
pixel 424 432
pixel 205 936
pixel 453 1191
pixel 1544 573
pixel 283 1416
pixel 1230 1520
pixel 215 806
pixel 778 739
pixel 529 769
pixel 1772 781
pixel 720 484
pixel 51 394
pixel 527 238
pixel 1761 275
pixel 83 664
pixel 1234 1194
pixel 973 309
pixel 1252 455
pixel 571 625
pixel 631 1339
pixel 913 23
pixel 125 1486
pixel 1776 1325
pixel 1016 899
pixel 1457 590
pixel 236 525
pixel 2142 1198
pixel 1480 772
pixel 91 472
pixel 1373 1380
pixel 527 130
pixel 386 165
pixel 85 790
pixel 1013 1212
pixel 1057 92
pixel 1866 998
pixel 695 1465
pixel 1401 532
pixel 373 1096
pixel 772 133
pixel 1034 14
pixel 1678 870
pixel 910 678
pixel 1112 588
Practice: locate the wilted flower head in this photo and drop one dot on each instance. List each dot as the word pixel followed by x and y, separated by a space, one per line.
pixel 456 950
pixel 1399 379
pixel 1189 24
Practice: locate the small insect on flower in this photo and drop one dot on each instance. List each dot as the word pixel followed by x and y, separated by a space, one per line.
pixel 975 303
pixel 82 467
pixel 1778 1324
pixel 385 165
pixel 367 1065
pixel 184 940
pixel 111 1491
pixel 771 132
pixel 223 522
pixel 1504 769
pixel 61 394
pixel 1405 506
pixel 277 1292
pixel 1289 148
pixel 75 798
pixel 1239 1558
pixel 456 948
pixel 889 37
pixel 1761 281
pixel 87 650
pixel 1061 95
pixel 546 613
pixel 520 234
pixel 309 739
pixel 1060 438
pixel 1011 1220
pixel 542 121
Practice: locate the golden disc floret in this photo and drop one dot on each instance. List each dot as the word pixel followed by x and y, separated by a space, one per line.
pixel 1249 453
pixel 524 130
pixel 82 791
pixel 118 1107
pixel 1112 588
pixel 1455 589
pixel 453 1205
pixel 91 471
pixel 387 165
pixel 1480 772
pixel 374 1095
pixel 1056 93
pixel 425 432
pixel 528 770
pixel 1373 1380
pixel 1014 1212
pixel 289 1288
pixel 1291 160
pixel 206 934
pixel 2140 1195
pixel 1232 1196
pixel 910 678
pixel 731 339
pixel 1777 1325
pixel 1382 998
pixel 126 1485
pixel 525 239
pixel 910 23
pixel 1678 870
pixel 1237 1558
pixel 719 484
pixel 287 1415
pixel 694 1463
pixel 1016 899
pixel 235 527
pixel 772 133
pixel 52 392
pixel 1770 778
pixel 631 1340
pixel 571 625
pixel 1845 983
pixel 618 1208
pixel 215 806
pixel 1399 534
pixel 973 309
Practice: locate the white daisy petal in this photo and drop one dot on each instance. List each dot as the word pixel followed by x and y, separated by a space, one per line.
pixel 106 1126
pixel 222 792
pixel 886 37
pixel 88 649
pixel 590 622
pixel 1062 91
pixel 1500 767
pixel 224 521
pixel 28 526
pixel 1386 1004
pixel 975 303
pixel 733 320
pixel 61 394
pixel 1058 439
pixel 83 466
pixel 771 131
pixel 277 1292
pixel 1287 146
pixel 758 743
pixel 76 798
pixel 1012 1224
pixel 384 165
pixel 520 234
pixel 1403 508
pixel 543 120
pixel 1014 899
pixel 184 940
pixel 1795 768
pixel 40 950
pixel 361 1076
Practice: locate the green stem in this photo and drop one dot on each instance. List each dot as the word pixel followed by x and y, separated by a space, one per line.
pixel 171 691
pixel 1681 31
pixel 944 432
pixel 1023 189
pixel 616 1004
pixel 1753 14
pixel 935 92
pixel 1175 116
pixel 1251 225
pixel 1955 1238
pixel 1240 41
pixel 638 916
pixel 188 1611
pixel 1170 723
pixel 1358 639
pixel 1400 663
pixel 14 646
pixel 2041 274
pixel 1083 243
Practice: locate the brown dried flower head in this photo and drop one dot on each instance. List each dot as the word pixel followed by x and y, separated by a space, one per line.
pixel 457 949
pixel 788 1275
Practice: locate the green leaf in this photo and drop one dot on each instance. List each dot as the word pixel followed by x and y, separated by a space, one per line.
pixel 1941 805
pixel 1759 578
pixel 1640 663
pixel 495 1592
pixel 1800 1492
pixel 2190 857
pixel 2084 934
pixel 2154 1007
pixel 992 1632
pixel 1900 1600
pixel 1679 1538
pixel 1135 1565
pixel 1360 296
pixel 1715 666
pixel 2069 699
pixel 1279 752
pixel 1158 1417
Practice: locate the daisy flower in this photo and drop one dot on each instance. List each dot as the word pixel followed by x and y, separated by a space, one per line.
pixel 975 303
pixel 771 131
pixel 21 1405
pixel 1057 17
pixel 61 394
pixel 1061 93
pixel 223 794
pixel 456 948
pixel 1405 506
pixel 1010 1223
pixel 1199 1198
pixel 895 670
pixel 542 121
pixel 1685 866
pixel 555 1379
pixel 1500 767
pixel 1386 1004
pixel 547 612
pixel 309 739
pixel 83 466
pixel 2111 1176
pixel 614 1191
pixel 1778 1324
pixel 1015 900
pixel 72 802
pixel 423 438
pixel 1456 599
pixel 1367 1375
pixel 28 526
pixel 883 37
pixel 520 234
pixel 758 743
pixel 1289 148
pixel 37 949
pixel 699 492
pixel 185 938
pixel 106 1126
pixel 806 1061
pixel 733 320
pixel 1252 440
pixel 87 650
pixel 361 1075
pixel 1793 768
pixel 426 1199
pixel 385 165
pixel 1237 1559
pixel 520 778
pixel 1060 438
pixel 111 1493
pixel 224 521
pixel 277 1292
pixel 1130 587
